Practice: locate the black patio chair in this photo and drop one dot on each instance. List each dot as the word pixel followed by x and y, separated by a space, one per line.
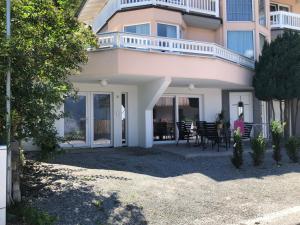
pixel 211 133
pixel 200 132
pixel 161 130
pixel 183 132
pixel 247 131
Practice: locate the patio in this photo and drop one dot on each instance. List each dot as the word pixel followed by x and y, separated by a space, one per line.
pixel 194 151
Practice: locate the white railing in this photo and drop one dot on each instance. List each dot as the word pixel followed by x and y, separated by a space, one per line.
pixel 176 46
pixel 209 7
pixel 281 19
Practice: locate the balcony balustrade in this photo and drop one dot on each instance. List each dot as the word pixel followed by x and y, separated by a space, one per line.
pixel 288 20
pixel 208 7
pixel 171 46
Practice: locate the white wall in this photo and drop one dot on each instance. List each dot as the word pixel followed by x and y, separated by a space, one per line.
pixel 3 158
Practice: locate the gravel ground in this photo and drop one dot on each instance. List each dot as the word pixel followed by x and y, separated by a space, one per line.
pixel 136 186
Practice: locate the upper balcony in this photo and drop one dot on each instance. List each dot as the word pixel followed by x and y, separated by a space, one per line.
pixel 201 7
pixel 285 20
pixel 125 58
pixel 172 46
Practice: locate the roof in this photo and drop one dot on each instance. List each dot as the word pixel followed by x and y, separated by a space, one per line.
pixel 89 9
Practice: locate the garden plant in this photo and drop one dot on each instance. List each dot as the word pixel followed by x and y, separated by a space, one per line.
pixel 237 159
pixel 258 146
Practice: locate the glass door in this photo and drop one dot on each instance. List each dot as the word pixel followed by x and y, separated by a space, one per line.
pixel 188 109
pixel 124 118
pixel 164 119
pixel 102 122
pixel 75 122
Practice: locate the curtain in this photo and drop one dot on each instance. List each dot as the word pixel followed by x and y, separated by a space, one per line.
pixel 241 42
pixel 165 30
pixel 239 10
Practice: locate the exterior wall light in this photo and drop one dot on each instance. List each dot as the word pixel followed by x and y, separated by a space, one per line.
pixel 103 83
pixel 191 86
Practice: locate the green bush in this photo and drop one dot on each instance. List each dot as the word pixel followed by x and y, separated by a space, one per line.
pixel 29 215
pixel 292 149
pixel 237 159
pixel 258 146
pixel 277 129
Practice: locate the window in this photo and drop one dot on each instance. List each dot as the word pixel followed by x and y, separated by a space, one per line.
pixel 142 29
pixel 241 42
pixel 239 10
pixel 166 30
pixel 262 12
pixel 278 7
pixel 262 40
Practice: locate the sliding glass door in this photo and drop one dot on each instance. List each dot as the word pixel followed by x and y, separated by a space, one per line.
pixel 75 122
pixel 164 119
pixel 102 124
pixel 170 109
pixel 188 109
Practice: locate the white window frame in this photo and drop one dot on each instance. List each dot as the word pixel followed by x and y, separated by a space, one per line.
pixel 170 24
pixel 177 96
pixel 87 124
pixel 253 38
pixel 279 4
pixel 136 24
pixel 93 145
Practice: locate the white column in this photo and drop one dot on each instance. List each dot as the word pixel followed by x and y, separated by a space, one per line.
pixel 117 120
pixel 148 94
pixel 3 165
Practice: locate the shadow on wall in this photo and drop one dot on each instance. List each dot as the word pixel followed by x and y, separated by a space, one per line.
pixel 157 163
pixel 72 201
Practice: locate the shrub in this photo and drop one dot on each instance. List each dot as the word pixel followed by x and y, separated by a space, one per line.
pixel 292 149
pixel 258 146
pixel 237 159
pixel 29 215
pixel 277 128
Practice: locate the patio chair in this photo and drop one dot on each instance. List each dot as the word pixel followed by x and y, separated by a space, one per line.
pixel 200 132
pixel 183 132
pixel 161 130
pixel 247 131
pixel 211 133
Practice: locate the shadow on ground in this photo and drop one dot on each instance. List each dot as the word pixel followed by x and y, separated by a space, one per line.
pixel 72 201
pixel 157 163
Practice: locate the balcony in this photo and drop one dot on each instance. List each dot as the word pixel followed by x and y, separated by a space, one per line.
pixel 171 46
pixel 285 20
pixel 207 7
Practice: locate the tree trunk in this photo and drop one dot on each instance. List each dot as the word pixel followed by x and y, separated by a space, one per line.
pixel 280 106
pixel 286 116
pixel 296 115
pixel 273 111
pixel 293 117
pixel 16 169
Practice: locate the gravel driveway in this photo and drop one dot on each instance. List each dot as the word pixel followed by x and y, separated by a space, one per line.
pixel 136 186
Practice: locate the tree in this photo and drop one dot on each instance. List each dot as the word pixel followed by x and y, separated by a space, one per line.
pixel 277 74
pixel 47 46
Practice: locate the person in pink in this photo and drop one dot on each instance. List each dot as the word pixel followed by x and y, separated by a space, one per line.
pixel 239 123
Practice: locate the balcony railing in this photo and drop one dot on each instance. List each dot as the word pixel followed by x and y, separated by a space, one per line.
pixel 208 7
pixel 169 45
pixel 281 19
